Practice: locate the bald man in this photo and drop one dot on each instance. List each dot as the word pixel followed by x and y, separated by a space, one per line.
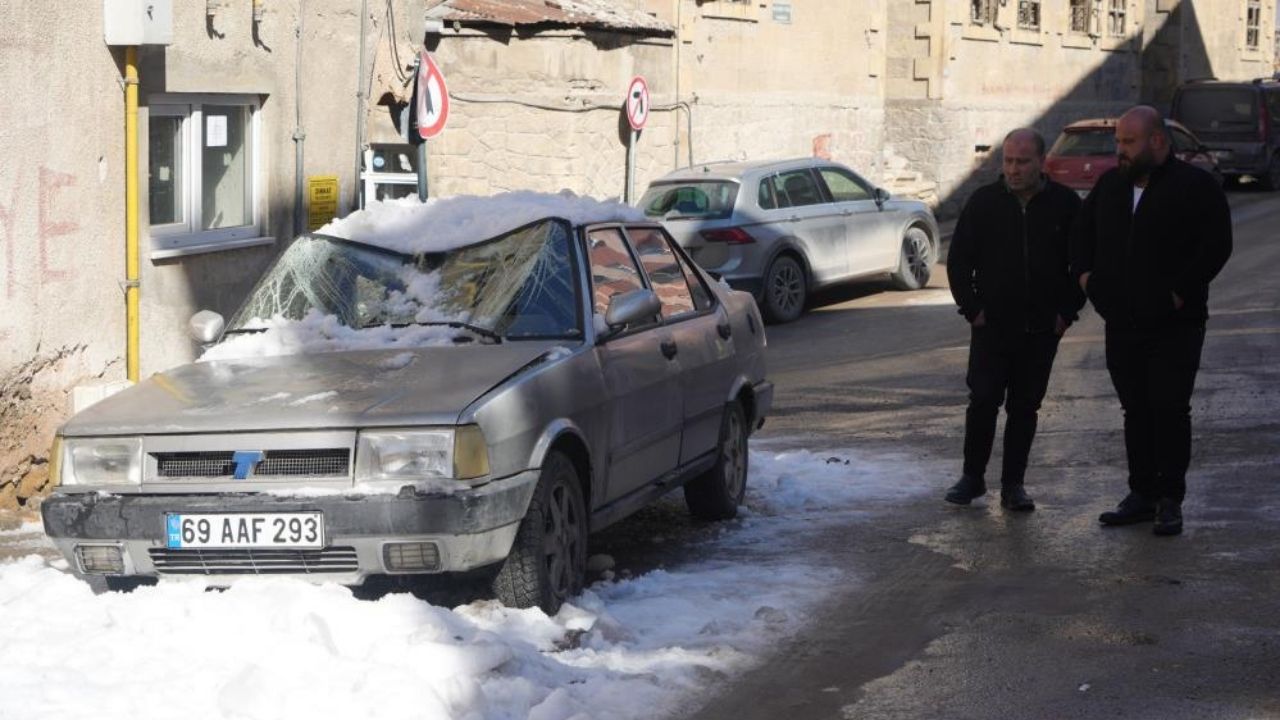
pixel 1009 272
pixel 1151 236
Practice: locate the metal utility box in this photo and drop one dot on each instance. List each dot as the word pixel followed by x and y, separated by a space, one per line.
pixel 138 22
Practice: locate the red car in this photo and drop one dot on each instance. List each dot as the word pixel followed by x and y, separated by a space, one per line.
pixel 1087 148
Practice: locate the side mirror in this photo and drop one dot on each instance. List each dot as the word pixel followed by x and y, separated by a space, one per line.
pixel 206 326
pixel 882 196
pixel 631 307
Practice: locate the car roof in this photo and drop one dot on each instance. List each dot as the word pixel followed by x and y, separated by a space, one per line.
pixel 1265 83
pixel 1109 123
pixel 735 170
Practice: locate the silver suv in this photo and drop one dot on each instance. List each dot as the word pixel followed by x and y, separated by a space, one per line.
pixel 781 229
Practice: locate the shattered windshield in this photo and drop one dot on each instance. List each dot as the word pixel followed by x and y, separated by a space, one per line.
pixel 519 285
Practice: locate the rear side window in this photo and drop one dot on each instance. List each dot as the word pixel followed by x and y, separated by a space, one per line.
pixel 710 200
pixel 796 188
pixel 844 186
pixel 1085 143
pixel 764 195
pixel 1273 106
pixel 613 271
pixel 1182 142
pixel 1217 108
pixel 665 274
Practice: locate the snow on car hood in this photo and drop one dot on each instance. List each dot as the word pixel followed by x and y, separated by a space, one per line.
pixel 378 388
pixel 410 226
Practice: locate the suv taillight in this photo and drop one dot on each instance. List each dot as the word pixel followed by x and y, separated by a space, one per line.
pixel 1264 122
pixel 730 236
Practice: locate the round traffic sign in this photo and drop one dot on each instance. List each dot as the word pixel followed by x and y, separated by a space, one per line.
pixel 637 103
pixel 432 98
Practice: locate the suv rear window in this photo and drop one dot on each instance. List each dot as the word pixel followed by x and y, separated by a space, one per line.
pixel 1085 143
pixel 1217 108
pixel 710 200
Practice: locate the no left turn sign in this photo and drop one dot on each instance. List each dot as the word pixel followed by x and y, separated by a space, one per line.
pixel 638 103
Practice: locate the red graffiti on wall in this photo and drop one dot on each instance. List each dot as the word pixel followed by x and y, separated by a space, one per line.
pixel 50 183
pixel 6 225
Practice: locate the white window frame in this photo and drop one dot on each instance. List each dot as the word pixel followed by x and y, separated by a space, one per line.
pixel 186 237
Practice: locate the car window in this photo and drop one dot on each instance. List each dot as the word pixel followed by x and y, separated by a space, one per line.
pixel 764 196
pixel 1085 143
pixel 1273 106
pixel 701 294
pixel 711 200
pixel 613 271
pixel 664 271
pixel 1211 108
pixel 796 188
pixel 843 186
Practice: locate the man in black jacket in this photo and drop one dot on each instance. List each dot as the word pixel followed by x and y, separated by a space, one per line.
pixel 1008 267
pixel 1151 236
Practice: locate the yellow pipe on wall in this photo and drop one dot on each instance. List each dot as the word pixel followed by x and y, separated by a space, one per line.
pixel 131 209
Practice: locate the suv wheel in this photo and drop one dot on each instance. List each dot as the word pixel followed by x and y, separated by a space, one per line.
pixel 717 493
pixel 915 262
pixel 785 290
pixel 548 561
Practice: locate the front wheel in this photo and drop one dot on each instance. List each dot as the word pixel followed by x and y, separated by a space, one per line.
pixel 547 564
pixel 915 262
pixel 717 493
pixel 785 290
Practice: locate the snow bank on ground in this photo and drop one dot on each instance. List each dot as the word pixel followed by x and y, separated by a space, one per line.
pixel 410 226
pixel 272 648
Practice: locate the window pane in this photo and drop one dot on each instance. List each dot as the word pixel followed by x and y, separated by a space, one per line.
pixel 226 186
pixel 800 188
pixel 664 271
pixel 613 272
pixel 764 196
pixel 701 295
pixel 843 186
pixel 164 184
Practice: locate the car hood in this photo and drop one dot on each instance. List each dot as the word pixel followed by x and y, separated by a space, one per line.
pixel 378 388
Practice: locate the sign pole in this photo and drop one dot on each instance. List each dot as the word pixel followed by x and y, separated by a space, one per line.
pixel 422 171
pixel 631 168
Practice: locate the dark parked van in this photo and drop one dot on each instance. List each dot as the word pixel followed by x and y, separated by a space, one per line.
pixel 1239 122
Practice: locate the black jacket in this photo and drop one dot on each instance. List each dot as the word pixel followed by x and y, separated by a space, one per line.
pixel 1176 241
pixel 1010 262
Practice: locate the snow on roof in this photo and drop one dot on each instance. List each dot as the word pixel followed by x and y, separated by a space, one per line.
pixel 410 226
pixel 576 13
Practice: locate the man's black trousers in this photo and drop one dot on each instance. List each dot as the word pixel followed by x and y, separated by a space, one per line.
pixel 1009 368
pixel 1154 372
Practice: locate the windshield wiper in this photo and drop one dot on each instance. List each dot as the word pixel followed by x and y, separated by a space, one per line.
pixel 483 332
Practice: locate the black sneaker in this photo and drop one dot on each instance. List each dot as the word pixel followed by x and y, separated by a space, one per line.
pixel 963 492
pixel 1016 499
pixel 1168 517
pixel 1132 509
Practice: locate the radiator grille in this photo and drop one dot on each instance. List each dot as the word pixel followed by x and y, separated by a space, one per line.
pixel 253 561
pixel 324 462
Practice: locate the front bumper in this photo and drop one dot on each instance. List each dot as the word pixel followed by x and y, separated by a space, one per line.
pixel 469 529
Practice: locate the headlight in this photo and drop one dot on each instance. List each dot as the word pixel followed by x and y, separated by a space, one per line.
pixel 459 454
pixel 101 461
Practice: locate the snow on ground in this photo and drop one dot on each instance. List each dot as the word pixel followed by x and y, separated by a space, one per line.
pixel 271 648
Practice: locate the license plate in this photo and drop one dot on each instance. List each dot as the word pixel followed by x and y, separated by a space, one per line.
pixel 245 530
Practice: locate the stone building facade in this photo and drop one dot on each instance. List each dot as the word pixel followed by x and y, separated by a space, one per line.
pixel 252 101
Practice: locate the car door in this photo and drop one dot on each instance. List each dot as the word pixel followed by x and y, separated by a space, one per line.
pixel 805 214
pixel 641 376
pixel 702 334
pixel 870 229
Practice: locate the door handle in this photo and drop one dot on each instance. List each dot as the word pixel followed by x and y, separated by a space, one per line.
pixel 669 349
pixel 725 330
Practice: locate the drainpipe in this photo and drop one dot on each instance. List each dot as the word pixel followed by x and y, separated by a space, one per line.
pixel 361 104
pixel 131 209
pixel 299 135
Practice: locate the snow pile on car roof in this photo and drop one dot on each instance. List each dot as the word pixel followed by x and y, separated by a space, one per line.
pixel 410 226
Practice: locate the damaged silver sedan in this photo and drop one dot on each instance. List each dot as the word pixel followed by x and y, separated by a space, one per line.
pixel 371 412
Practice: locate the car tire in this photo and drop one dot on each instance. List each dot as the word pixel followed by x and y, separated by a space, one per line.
pixel 786 290
pixel 548 560
pixel 915 260
pixel 717 493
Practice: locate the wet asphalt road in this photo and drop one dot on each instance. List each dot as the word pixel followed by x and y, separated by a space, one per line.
pixel 975 613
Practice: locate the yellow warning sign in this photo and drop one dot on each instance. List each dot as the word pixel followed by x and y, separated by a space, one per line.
pixel 322 200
